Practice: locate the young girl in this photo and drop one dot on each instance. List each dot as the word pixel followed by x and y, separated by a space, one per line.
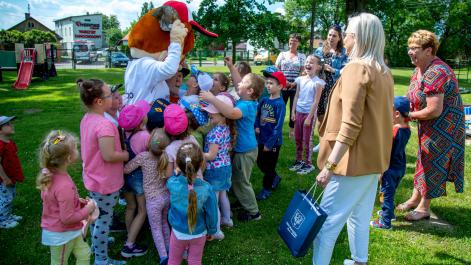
pixel 305 111
pixel 154 165
pixel 218 160
pixel 193 207
pixel 103 159
pixel 133 119
pixel 63 210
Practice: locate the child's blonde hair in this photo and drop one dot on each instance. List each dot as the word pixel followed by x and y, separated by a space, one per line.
pixel 54 152
pixel 190 160
pixel 157 143
pixel 320 61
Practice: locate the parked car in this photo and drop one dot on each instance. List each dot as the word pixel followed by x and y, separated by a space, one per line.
pixel 85 51
pixel 119 59
pixel 102 52
pixel 264 57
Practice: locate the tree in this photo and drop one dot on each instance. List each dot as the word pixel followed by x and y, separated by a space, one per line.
pixel 240 20
pixel 146 7
pixel 111 30
pixel 37 36
pixel 113 36
pixel 110 22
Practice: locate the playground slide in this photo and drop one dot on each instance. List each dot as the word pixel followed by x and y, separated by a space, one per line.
pixel 26 69
pixel 24 75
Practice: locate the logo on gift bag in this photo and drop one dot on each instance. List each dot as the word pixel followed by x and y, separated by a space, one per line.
pixel 297 219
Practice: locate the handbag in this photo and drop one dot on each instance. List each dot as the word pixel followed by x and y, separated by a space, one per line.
pixel 301 222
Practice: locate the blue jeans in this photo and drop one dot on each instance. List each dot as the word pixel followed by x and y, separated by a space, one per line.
pixel 7 194
pixel 389 183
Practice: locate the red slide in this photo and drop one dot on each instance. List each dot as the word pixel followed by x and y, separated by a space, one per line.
pixel 25 73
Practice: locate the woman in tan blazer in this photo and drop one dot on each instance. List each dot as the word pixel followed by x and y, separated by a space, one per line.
pixel 356 138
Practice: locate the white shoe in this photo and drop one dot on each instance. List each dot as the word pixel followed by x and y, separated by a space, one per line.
pixel 306 169
pixel 348 262
pixel 316 148
pixel 16 218
pixel 9 224
pixel 218 236
pixel 228 224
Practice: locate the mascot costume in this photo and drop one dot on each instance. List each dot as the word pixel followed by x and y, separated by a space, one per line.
pixel 158 42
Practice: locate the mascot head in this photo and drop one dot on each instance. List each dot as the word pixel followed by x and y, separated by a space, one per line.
pixel 150 36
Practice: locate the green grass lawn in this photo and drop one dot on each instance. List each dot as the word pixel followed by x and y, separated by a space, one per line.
pixel 55 104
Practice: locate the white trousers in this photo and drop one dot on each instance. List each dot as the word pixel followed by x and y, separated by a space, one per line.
pixel 346 200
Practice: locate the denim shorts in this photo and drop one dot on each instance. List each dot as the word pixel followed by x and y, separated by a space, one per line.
pixel 219 178
pixel 133 182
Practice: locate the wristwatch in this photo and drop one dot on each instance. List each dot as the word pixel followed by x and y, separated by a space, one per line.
pixel 330 166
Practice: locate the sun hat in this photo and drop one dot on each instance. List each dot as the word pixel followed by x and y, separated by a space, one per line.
pixel 200 116
pixel 212 109
pixel 131 115
pixel 6 119
pixel 175 119
pixel 204 80
pixel 155 116
pixel 278 75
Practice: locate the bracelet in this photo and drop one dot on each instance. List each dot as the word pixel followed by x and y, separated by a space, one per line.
pixel 330 165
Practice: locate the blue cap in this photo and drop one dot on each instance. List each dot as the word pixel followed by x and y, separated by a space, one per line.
pixel 270 69
pixel 155 117
pixel 402 104
pixel 201 116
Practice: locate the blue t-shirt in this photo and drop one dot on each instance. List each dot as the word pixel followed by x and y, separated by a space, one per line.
pixel 270 118
pixel 397 164
pixel 246 140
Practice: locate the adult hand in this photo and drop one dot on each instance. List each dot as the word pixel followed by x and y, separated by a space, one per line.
pixel 178 32
pixel 307 121
pixel 207 96
pixel 228 61
pixel 329 68
pixel 324 177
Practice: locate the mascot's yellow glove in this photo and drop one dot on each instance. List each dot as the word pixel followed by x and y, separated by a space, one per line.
pixel 178 32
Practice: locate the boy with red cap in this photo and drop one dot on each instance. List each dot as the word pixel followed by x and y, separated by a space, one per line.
pixel 269 128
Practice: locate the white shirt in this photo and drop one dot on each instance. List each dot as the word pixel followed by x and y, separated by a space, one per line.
pixel 145 77
pixel 307 92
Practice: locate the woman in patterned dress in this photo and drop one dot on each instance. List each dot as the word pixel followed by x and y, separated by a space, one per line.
pixel 335 58
pixel 437 106
pixel 291 63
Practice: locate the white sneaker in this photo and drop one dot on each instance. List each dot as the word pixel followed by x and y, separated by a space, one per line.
pixel 306 169
pixel 348 262
pixel 16 218
pixel 9 224
pixel 316 148
pixel 228 223
pixel 218 236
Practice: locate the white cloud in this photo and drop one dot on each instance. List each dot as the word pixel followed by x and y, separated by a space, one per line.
pixel 280 10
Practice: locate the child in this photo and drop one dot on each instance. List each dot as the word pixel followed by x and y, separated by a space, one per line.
pixel 154 165
pixel 304 114
pixel 63 210
pixel 269 127
pixel 133 119
pixel 176 127
pixel 193 207
pixel 198 81
pixel 221 86
pixel 218 172
pixel 103 159
pixel 116 105
pixel 10 173
pixel 238 71
pixel 245 151
pixel 397 165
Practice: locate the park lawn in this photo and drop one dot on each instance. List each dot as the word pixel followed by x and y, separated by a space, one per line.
pixel 55 104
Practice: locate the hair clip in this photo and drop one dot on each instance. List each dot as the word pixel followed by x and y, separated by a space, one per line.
pixel 45 171
pixel 155 142
pixel 58 138
pixel 187 159
pixel 190 187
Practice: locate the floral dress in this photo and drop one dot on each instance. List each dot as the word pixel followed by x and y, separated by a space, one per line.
pixel 440 156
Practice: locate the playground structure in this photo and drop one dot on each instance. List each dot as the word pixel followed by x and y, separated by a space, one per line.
pixel 30 62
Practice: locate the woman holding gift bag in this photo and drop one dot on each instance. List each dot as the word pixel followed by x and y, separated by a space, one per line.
pixel 356 139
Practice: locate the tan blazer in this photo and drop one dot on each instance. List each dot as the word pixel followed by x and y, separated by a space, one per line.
pixel 359 114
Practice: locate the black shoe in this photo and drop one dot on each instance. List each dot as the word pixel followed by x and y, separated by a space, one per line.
pixel 246 216
pixel 134 251
pixel 276 182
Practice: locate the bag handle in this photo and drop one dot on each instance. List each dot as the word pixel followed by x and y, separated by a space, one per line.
pixel 314 186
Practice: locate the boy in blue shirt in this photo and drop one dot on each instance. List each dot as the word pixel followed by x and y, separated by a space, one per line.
pixel 269 126
pixel 397 165
pixel 245 150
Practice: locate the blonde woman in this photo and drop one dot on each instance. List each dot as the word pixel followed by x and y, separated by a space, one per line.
pixel 356 139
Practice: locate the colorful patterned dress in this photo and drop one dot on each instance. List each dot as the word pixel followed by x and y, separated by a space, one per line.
pixel 440 156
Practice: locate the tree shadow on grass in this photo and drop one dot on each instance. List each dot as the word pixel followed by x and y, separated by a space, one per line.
pixel 445 256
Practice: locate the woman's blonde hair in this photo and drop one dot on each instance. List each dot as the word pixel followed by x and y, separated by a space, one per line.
pixel 424 39
pixel 369 40
pixel 190 160
pixel 157 143
pixel 54 152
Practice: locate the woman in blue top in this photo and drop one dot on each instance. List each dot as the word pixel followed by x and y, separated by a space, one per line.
pixel 335 58
pixel 193 210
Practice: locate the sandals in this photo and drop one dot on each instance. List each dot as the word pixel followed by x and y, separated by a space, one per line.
pixel 417 216
pixel 404 207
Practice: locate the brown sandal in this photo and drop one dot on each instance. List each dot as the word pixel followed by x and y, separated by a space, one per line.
pixel 417 216
pixel 403 207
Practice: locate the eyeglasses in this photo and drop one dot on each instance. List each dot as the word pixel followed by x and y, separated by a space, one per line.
pixel 346 33
pixel 414 49
pixel 108 96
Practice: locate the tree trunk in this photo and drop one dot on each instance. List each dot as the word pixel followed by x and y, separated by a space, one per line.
pixel 234 44
pixel 313 13
pixel 355 6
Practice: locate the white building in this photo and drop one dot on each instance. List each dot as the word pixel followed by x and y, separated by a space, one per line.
pixel 84 28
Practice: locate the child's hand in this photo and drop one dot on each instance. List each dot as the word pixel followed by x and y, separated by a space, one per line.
pixel 90 206
pixel 293 115
pixel 7 181
pixel 307 121
pixel 228 61
pixel 257 130
pixel 207 96
pixel 266 149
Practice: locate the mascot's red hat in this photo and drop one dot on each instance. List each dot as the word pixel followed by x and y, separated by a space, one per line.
pixel 148 33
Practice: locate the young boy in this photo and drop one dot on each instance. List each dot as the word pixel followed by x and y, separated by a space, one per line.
pixel 269 126
pixel 10 173
pixel 397 165
pixel 245 151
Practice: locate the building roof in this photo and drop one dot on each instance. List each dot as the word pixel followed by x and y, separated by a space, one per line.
pixel 58 37
pixel 60 19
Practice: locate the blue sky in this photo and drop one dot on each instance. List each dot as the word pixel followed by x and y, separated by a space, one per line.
pixel 46 11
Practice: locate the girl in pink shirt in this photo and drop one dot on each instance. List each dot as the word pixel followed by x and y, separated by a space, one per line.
pixel 103 159
pixel 63 210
